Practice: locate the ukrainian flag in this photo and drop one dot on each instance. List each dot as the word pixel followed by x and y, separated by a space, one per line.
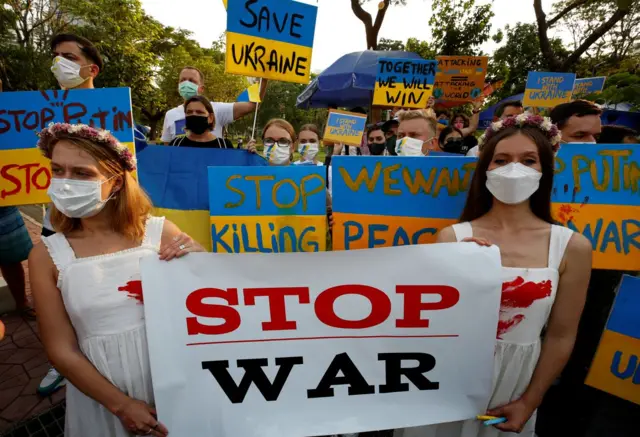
pixel 176 179
pixel 251 94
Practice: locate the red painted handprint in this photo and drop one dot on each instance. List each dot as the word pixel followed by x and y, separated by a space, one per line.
pixel 519 294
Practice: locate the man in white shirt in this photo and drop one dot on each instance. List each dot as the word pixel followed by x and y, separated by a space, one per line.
pixel 190 84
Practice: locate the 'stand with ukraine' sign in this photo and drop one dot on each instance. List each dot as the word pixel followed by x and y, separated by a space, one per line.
pixel 616 366
pixel 406 83
pixel 272 39
pixel 546 90
pixel 24 173
pixel 396 201
pixel 268 209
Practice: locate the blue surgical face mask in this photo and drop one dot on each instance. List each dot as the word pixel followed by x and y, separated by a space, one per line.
pixel 187 89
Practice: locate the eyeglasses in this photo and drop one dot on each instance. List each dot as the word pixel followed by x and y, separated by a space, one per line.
pixel 282 142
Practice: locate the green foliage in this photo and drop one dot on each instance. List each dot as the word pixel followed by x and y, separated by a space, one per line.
pixel 620 88
pixel 390 44
pixel 460 27
pixel 519 55
pixel 422 48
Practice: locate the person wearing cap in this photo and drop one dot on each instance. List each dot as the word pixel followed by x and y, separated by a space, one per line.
pixel 390 129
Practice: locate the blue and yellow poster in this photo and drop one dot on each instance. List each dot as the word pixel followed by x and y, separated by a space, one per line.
pixel 588 85
pixel 272 39
pixel 24 173
pixel 267 209
pixel 176 180
pixel 345 127
pixel 405 83
pixel 546 90
pixel 616 366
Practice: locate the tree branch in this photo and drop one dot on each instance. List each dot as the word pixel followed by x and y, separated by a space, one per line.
pixel 545 44
pixel 595 36
pixel 380 16
pixel 362 15
pixel 570 7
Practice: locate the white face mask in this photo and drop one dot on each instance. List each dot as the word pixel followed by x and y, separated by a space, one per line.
pixel 409 147
pixel 513 183
pixel 77 199
pixel 308 151
pixel 67 73
pixel 277 155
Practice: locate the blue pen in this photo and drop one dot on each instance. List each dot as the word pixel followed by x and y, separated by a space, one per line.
pixel 495 421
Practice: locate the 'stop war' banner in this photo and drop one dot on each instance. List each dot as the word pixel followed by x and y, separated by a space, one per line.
pixel 392 201
pixel 24 172
pixel 272 39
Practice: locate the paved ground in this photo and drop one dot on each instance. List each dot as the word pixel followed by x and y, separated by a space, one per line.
pixel 23 361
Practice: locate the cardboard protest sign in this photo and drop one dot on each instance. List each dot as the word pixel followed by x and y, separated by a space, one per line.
pixel 546 90
pixel 588 85
pixel 460 78
pixel 406 83
pixel 24 173
pixel 271 345
pixel 268 209
pixel 616 366
pixel 345 127
pixel 271 39
pixel 176 180
pixel 393 201
pixel 396 201
pixel 596 193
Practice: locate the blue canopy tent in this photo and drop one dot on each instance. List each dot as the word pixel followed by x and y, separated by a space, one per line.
pixel 348 82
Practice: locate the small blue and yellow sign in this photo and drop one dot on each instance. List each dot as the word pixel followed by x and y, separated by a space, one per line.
pixel 345 127
pixel 546 90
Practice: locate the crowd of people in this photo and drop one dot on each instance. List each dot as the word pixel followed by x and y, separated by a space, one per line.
pixel 85 275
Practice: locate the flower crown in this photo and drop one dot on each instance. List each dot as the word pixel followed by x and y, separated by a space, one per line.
pixel 98 136
pixel 543 123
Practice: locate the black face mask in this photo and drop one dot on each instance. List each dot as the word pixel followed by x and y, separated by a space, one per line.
pixel 376 148
pixel 391 145
pixel 457 145
pixel 197 124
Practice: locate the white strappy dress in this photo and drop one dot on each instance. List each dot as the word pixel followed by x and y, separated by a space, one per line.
pixel 103 298
pixel 527 298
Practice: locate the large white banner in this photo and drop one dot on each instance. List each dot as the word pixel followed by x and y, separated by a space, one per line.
pixel 293 345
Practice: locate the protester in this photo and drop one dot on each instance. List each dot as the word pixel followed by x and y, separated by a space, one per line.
pixel 451 140
pixel 578 121
pixel 442 116
pixel 76 64
pixel 376 138
pixel 279 138
pixel 190 84
pixel 200 123
pixel 507 109
pixel 390 129
pixel 308 145
pixel 416 133
pixel 86 281
pixel 15 245
pixel 618 135
pixel 545 272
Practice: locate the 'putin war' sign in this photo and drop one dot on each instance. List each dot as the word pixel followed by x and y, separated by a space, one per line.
pixel 272 39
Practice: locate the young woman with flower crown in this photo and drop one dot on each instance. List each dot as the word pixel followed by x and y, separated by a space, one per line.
pixel 545 272
pixel 86 284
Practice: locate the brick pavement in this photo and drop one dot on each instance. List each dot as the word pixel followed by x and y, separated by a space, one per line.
pixel 23 363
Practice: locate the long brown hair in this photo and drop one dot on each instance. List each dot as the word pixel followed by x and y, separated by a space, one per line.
pixel 311 128
pixel 480 200
pixel 129 207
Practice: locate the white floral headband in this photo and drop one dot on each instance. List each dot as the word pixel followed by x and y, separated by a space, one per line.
pixel 543 123
pixel 99 136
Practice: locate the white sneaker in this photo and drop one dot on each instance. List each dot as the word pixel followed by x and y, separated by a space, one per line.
pixel 51 382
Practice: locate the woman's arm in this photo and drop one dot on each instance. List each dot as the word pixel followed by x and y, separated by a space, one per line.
pixel 175 243
pixel 61 344
pixel 474 121
pixel 560 337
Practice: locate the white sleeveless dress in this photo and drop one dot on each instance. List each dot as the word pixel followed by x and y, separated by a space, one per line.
pixel 103 298
pixel 527 298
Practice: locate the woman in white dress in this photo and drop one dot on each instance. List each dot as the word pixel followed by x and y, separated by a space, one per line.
pixel 86 283
pixel 545 273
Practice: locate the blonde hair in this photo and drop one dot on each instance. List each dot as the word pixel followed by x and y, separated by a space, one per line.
pixel 129 207
pixel 419 114
pixel 282 124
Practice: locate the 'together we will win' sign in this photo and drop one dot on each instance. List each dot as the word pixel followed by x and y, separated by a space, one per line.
pixel 270 345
